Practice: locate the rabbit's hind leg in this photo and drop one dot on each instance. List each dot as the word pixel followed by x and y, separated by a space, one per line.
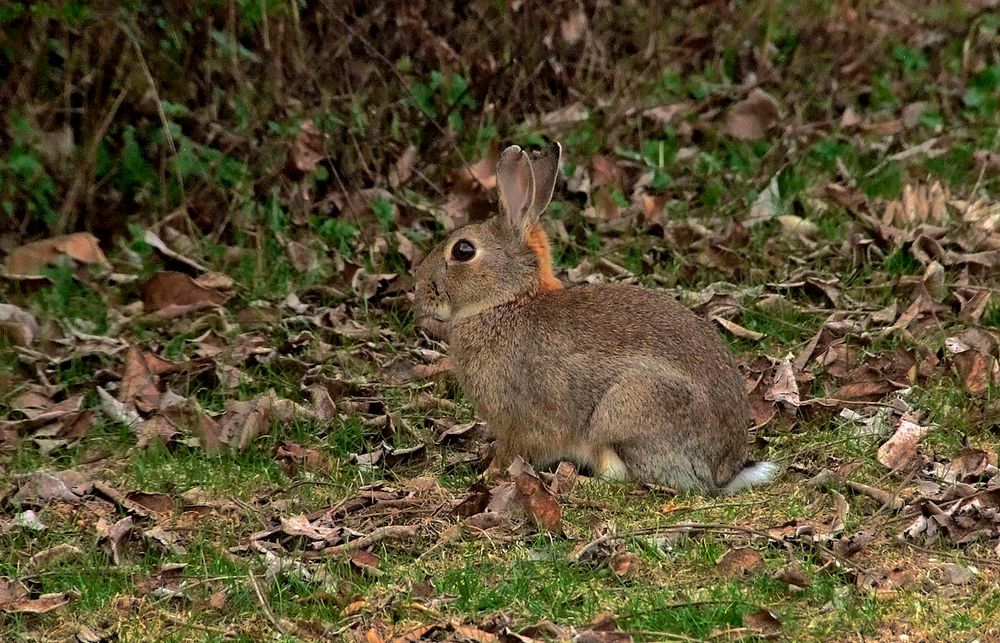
pixel 650 419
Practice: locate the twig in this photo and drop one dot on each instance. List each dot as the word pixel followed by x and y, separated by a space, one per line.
pixel 159 104
pixel 87 164
pixel 179 619
pixel 891 500
pixel 658 636
pixel 958 555
pixel 684 526
pixel 267 608
pixel 389 532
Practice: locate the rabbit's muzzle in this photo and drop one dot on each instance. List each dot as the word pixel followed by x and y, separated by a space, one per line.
pixel 431 300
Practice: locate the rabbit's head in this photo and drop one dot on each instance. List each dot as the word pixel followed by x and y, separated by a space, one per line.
pixel 506 257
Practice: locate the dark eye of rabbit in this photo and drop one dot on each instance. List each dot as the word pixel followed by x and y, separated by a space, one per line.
pixel 463 250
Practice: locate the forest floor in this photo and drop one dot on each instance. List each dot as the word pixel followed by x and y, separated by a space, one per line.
pixel 212 424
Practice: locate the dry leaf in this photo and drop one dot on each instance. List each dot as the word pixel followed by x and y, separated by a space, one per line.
pixel 402 170
pixel 901 449
pixel 140 381
pixel 784 389
pixel 624 564
pixel 574 27
pixel 763 622
pixel 569 115
pixel 15 598
pixel 301 256
pixel 40 488
pixel 737 330
pixel 170 288
pixel 750 119
pixel 307 151
pixel 30 260
pixel 739 561
pixel 17 325
pixel 665 114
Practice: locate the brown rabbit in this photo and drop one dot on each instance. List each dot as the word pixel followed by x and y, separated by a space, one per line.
pixel 621 380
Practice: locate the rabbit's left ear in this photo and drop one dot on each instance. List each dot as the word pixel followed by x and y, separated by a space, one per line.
pixel 516 183
pixel 545 167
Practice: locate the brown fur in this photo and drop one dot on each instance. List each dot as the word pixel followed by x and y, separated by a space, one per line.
pixel 620 379
pixel 539 244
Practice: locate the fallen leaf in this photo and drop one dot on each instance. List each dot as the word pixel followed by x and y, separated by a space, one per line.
pixel 369 286
pixel 955 574
pixel 739 561
pixel 969 519
pixel 156 502
pixel 763 622
pixel 968 466
pixel 365 561
pixel 624 564
pixel 294 458
pixel 767 205
pixel 524 497
pixel 29 520
pixel 115 538
pixel 665 114
pixel 784 389
pixel 158 244
pixel 170 288
pixel 301 256
pixel 30 260
pixel 737 330
pixel 246 420
pixel 17 325
pixel 54 555
pixel 569 115
pixel 141 382
pixel 901 449
pixel 573 28
pixel 750 119
pixel 793 575
pixel 606 172
pixel 41 417
pixel 919 204
pixel 15 598
pixel 402 169
pixel 40 488
pixel 307 151
pixel 459 432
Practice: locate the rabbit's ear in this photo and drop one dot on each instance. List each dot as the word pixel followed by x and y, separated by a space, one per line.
pixel 545 167
pixel 516 183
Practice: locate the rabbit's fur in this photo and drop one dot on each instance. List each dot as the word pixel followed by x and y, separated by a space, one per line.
pixel 621 380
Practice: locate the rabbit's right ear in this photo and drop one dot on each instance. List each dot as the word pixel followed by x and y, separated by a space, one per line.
pixel 516 182
pixel 545 167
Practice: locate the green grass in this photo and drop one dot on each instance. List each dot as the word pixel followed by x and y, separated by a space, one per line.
pixel 223 178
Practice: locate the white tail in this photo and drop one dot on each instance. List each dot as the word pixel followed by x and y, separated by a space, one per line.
pixel 754 474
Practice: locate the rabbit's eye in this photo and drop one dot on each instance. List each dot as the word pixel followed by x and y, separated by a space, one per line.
pixel 463 250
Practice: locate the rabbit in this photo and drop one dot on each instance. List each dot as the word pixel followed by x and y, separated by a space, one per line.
pixel 621 380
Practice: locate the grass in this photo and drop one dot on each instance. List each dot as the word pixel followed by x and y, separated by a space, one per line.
pixel 241 205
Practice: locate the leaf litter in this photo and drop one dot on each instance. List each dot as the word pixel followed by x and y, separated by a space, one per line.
pixel 851 372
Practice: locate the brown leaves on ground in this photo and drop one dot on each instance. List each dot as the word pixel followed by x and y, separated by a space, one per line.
pixel 30 260
pixel 308 148
pixel 523 498
pixel 16 598
pixel 739 561
pixel 900 451
pixel 17 325
pixel 603 629
pixel 750 119
pixel 175 293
